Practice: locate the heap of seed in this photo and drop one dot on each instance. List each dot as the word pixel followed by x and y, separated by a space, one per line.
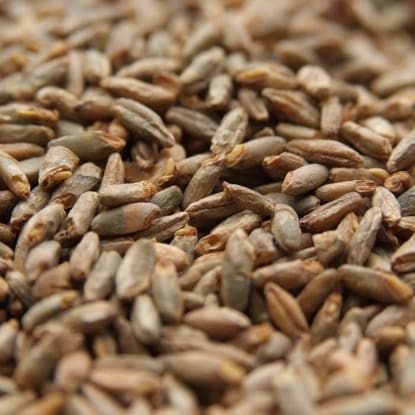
pixel 207 207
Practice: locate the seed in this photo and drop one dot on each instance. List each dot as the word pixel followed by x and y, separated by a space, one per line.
pixel 285 228
pixel 90 145
pixel 202 67
pixel 213 371
pixel 285 311
pixel 379 285
pixel 147 94
pixel 79 217
pixel 134 273
pixel 203 181
pixel 294 106
pixel 100 280
pixel 330 214
pixel 125 219
pixel 167 292
pixel 143 121
pixel 315 81
pixel 304 179
pixel 84 256
pixel 332 191
pixel 195 123
pixel 13 176
pixel 58 165
pixel 289 275
pixel 403 154
pixel 246 198
pixel 25 209
pixel 41 258
pixel 389 206
pixel 367 141
pixel 364 238
pixel 326 152
pixel 90 317
pixel 40 227
pixel 237 267
pixel 83 179
pixel 331 117
pixel 230 132
pixel 218 322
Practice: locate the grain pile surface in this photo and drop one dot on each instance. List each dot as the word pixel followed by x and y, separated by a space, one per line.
pixel 207 207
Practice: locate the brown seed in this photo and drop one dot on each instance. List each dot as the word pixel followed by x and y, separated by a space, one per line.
pixel 8 335
pixel 164 228
pixel 402 258
pixel 379 285
pixel 120 194
pixel 291 394
pixel 388 204
pixel 237 267
pixel 403 155
pixel 214 371
pixel 263 244
pixel 327 152
pixel 230 132
pixel 332 191
pixel 13 176
pixel 83 179
pixel 25 209
pixel 331 117
pixel 126 219
pixel 72 370
pixel 253 152
pixel 294 106
pixel 398 182
pixel 194 123
pixel 326 320
pixel 167 292
pixel 253 104
pixel 278 166
pixel 315 81
pixel 79 217
pixel 89 317
pixel 54 280
pixel 12 403
pixel 365 140
pixel 134 273
pixel 145 320
pixel 202 68
pixel 304 179
pixel 285 228
pixel 289 275
pixel 147 94
pixel 218 322
pixel 203 181
pixel 84 256
pixel 40 227
pixel 124 380
pixel 364 238
pixel 330 214
pixel 90 145
pixel 41 258
pixel 217 238
pixel 143 121
pixel 285 311
pixel 114 172
pixel 29 133
pixel 57 165
pixel 246 198
pixel 100 280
